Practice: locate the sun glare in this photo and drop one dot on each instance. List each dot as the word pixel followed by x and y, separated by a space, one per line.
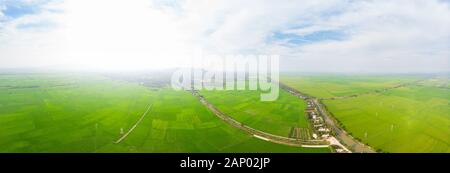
pixel 111 34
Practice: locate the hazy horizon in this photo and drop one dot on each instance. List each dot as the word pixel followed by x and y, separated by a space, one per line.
pixel 43 70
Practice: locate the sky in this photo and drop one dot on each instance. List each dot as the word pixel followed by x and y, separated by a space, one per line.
pixel 374 36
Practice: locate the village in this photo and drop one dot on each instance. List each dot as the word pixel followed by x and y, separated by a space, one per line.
pixel 320 129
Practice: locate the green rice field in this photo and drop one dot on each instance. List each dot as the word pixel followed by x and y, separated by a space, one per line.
pixel 91 112
pixel 327 86
pixel 413 118
pixel 276 117
pixel 88 113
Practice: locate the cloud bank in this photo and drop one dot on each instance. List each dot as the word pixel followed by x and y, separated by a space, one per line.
pixel 311 36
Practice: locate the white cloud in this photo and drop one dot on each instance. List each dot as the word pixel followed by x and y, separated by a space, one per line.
pixel 236 25
pixel 2 16
pixel 104 34
pixel 123 34
pixel 388 36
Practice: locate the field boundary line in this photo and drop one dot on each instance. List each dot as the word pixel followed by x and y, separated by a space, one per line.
pixel 315 146
pixel 134 126
pixel 375 91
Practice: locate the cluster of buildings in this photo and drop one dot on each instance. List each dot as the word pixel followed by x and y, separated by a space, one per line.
pixel 320 129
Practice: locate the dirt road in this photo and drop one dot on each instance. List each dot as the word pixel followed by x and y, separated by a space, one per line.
pixel 134 126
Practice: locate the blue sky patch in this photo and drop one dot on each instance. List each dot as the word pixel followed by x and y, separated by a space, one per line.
pixel 18 8
pixel 295 39
pixel 15 10
pixel 36 25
